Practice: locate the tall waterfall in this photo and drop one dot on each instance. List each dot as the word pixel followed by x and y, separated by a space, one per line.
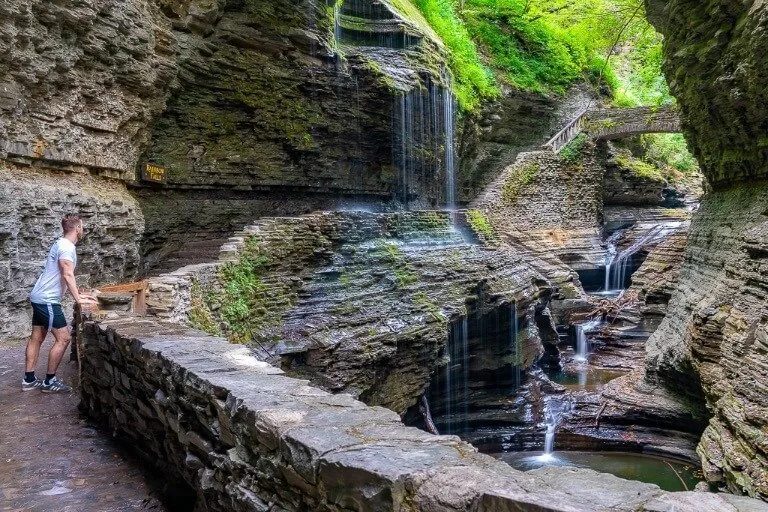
pixel 514 346
pixel 423 142
pixel 457 377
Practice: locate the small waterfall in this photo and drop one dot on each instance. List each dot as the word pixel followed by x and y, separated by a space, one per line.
pixel 448 384
pixel 616 269
pixel 582 343
pixel 514 346
pixel 549 439
pixel 553 414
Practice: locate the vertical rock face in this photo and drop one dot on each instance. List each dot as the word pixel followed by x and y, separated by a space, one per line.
pixel 716 328
pixel 80 81
pixel 31 207
pixel 715 64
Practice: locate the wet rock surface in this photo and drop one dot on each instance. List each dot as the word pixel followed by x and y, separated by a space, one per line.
pixel 360 302
pixel 54 459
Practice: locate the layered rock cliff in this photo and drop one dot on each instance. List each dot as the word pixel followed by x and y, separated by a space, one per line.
pixel 715 333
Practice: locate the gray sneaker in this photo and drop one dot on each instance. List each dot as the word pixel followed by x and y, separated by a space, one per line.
pixel 29 386
pixel 55 386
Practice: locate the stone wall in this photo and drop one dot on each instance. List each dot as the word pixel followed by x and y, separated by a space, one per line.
pixel 517 122
pixel 32 203
pixel 245 437
pixel 714 63
pixel 715 331
pixel 713 337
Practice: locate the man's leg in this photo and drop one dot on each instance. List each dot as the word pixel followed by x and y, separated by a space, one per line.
pixel 61 336
pixel 33 347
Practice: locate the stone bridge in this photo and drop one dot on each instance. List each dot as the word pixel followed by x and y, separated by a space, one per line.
pixel 616 123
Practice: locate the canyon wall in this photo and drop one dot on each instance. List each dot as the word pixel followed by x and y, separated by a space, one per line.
pixel 252 108
pixel 714 338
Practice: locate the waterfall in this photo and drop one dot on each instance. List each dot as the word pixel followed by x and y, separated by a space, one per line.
pixel 457 377
pixel 582 344
pixel 465 369
pixel 514 347
pixel 448 387
pixel 553 414
pixel 549 440
pixel 450 170
pixel 616 269
pixel 423 142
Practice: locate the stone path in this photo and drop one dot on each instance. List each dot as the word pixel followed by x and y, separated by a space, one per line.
pixel 52 459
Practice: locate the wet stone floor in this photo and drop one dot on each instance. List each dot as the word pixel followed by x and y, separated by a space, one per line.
pixel 51 458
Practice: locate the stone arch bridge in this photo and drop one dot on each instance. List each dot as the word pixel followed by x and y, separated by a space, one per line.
pixel 616 123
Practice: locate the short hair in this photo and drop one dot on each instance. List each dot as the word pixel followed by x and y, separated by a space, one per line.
pixel 70 222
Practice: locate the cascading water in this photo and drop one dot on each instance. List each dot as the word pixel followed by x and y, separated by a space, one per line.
pixel 616 269
pixel 457 377
pixel 514 347
pixel 423 136
pixel 553 414
pixel 582 343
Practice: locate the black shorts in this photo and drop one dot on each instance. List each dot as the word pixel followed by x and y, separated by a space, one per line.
pixel 49 316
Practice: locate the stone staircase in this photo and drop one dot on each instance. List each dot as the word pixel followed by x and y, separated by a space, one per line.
pixel 191 252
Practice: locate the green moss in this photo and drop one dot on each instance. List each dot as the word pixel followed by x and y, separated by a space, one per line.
pixel 521 177
pixel 572 152
pixel 403 272
pixel 422 300
pixel 479 223
pixel 638 167
pixel 200 316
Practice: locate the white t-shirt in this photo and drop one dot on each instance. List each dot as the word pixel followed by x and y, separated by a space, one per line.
pixel 50 287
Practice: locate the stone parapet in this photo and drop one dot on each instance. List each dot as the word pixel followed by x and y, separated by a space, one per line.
pixel 246 437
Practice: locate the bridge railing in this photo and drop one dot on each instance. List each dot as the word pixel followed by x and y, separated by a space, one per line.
pixel 568 133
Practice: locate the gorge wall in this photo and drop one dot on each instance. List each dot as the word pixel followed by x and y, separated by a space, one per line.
pixel 714 337
pixel 261 107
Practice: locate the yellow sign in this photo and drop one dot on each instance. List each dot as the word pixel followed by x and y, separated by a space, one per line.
pixel 154 173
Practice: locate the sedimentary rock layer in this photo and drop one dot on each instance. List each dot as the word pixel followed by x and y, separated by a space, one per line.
pixel 32 203
pixel 357 302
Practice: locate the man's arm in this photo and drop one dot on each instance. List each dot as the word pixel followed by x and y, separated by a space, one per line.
pixel 67 269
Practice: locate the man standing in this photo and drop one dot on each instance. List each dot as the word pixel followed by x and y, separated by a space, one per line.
pixel 47 315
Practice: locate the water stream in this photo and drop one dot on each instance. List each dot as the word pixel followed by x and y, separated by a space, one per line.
pixel 582 342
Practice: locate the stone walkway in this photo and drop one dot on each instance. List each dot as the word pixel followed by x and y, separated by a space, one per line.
pixel 52 459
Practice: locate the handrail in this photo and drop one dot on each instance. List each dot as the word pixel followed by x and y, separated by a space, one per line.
pixel 567 134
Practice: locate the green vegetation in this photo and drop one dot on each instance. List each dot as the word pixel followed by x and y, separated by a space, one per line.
pixel 200 315
pixel 638 167
pixel 572 152
pixel 547 45
pixel 669 150
pixel 521 177
pixel 247 304
pixel 473 81
pixel 480 223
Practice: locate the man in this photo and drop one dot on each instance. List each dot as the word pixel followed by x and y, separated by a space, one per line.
pixel 47 315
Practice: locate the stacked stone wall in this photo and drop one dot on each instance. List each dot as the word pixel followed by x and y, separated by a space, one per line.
pixel 244 437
